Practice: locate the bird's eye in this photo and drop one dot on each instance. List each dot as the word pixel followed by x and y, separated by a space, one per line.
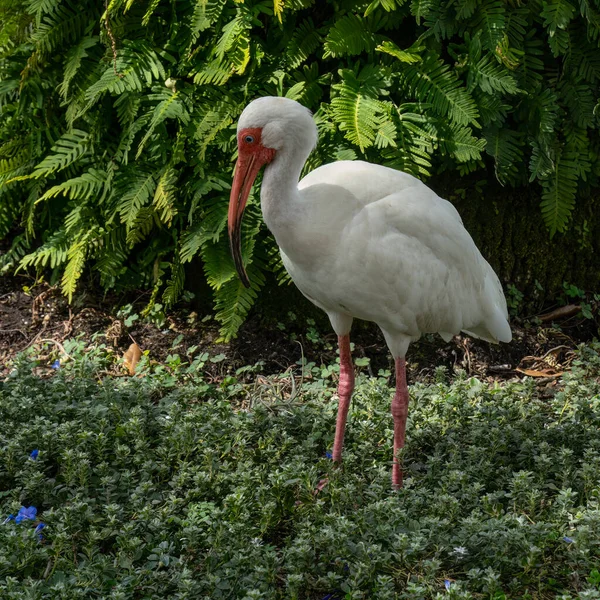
pixel 248 139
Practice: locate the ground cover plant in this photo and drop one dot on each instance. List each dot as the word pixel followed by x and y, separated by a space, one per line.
pixel 168 485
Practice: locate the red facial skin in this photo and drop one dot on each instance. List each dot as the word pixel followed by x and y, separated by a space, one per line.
pixel 252 155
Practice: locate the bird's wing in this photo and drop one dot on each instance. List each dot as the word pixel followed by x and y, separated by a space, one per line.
pixel 369 183
pixel 401 254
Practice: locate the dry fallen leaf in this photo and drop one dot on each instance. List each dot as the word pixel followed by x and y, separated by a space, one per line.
pixel 534 373
pixel 132 357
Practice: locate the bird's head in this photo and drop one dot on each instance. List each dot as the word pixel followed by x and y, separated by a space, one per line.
pixel 268 128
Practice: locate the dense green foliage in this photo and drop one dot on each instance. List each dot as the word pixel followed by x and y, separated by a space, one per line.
pixel 154 490
pixel 117 127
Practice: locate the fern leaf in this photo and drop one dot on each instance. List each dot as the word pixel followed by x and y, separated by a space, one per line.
pixel 420 9
pixel 492 77
pixel 67 150
pixel 211 119
pixel 165 196
pixel 73 62
pixel 559 191
pixel 234 301
pixel 557 14
pixel 87 185
pixel 433 83
pixel 170 107
pixel 349 36
pixel 206 12
pixel 278 9
pixel 406 56
pixel 304 41
pixel 175 284
pixel 76 255
pixel 137 195
pixel 355 108
pixel 504 145
pixel 490 21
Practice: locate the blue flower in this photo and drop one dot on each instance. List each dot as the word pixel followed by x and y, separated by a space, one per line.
pixel 568 540
pixel 56 364
pixel 34 454
pixel 38 530
pixel 447 584
pixel 8 519
pixel 329 454
pixel 25 514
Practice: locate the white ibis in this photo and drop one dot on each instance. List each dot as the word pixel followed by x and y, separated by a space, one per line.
pixel 363 241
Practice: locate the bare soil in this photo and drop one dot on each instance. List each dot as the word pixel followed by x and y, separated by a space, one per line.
pixel 33 314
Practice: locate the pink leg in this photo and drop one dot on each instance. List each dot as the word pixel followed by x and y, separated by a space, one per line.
pixel 345 388
pixel 399 412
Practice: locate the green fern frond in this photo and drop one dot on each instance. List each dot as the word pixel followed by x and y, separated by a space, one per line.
pixel 492 77
pixel 137 66
pixel 349 36
pixel 413 149
pixel 87 185
pixel 111 257
pixel 505 146
pixel 541 163
pixel 530 71
pixel 356 108
pixel 557 15
pixel 432 82
pixel 66 151
pixel 76 256
pixel 465 8
pixel 579 100
pixel 176 282
pixel 278 9
pixel 63 26
pixel 463 145
pixel 304 41
pixel 169 107
pixel 490 21
pixel 309 87
pixel 73 62
pixel 212 118
pixel 152 6
pixel 410 56
pixel 165 196
pixel 559 191
pixel 206 12
pixel 387 5
pixel 234 301
pixel 52 253
pixel 141 187
pixel 420 9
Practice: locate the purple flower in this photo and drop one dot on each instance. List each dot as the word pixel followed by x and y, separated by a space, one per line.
pixel 8 519
pixel 568 540
pixel 447 584
pixel 38 531
pixel 26 514
pixel 55 365
pixel 34 454
pixel 329 454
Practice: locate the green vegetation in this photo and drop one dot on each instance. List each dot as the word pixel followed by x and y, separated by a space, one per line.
pixel 116 127
pixel 156 487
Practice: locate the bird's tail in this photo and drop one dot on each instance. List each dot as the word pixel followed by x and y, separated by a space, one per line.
pixel 494 328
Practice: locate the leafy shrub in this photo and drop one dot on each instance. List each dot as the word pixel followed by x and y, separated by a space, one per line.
pixel 116 130
pixel 154 490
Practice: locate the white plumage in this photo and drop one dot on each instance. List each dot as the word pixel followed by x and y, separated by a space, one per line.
pixel 365 241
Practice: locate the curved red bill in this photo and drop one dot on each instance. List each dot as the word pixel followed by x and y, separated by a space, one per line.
pixel 247 168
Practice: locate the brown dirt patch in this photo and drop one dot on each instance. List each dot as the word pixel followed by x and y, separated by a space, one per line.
pixel 31 315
